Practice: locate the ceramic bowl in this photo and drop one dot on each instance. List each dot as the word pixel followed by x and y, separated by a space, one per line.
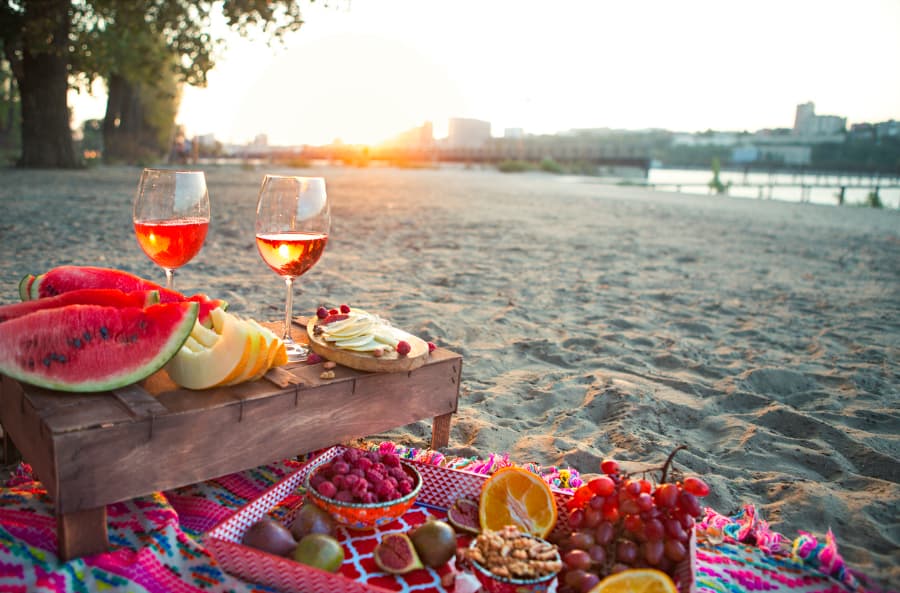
pixel 361 516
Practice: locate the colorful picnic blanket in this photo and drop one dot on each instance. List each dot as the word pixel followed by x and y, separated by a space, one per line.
pixel 156 548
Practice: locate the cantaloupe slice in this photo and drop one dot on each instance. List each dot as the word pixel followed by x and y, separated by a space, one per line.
pixel 255 359
pixel 211 366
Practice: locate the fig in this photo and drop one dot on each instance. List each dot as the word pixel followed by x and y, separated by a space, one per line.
pixel 321 551
pixel 435 542
pixel 270 536
pixel 312 519
pixel 463 515
pixel 396 554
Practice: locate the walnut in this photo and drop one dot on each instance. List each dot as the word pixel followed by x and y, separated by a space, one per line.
pixel 509 553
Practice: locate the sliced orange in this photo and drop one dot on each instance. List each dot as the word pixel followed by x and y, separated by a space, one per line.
pixel 516 496
pixel 636 580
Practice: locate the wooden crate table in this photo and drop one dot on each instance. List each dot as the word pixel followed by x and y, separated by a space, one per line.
pixel 90 450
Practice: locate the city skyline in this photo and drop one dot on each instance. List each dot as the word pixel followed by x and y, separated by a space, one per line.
pixel 370 71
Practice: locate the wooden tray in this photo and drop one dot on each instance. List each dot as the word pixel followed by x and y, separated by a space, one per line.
pixel 390 362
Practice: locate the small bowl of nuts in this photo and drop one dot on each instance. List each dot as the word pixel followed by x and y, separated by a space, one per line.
pixel 509 561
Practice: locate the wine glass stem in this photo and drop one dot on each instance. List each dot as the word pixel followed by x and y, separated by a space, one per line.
pixel 288 308
pixel 170 278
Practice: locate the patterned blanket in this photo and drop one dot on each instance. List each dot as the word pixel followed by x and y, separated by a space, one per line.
pixel 155 544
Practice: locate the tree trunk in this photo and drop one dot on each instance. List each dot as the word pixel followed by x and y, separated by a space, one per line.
pixel 127 137
pixel 43 85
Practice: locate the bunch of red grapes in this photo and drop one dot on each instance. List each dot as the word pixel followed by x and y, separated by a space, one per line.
pixel 620 522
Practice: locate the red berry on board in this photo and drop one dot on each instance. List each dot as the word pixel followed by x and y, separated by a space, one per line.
pixel 333 311
pixel 313 358
pixel 345 308
pixel 334 316
pixel 321 312
pixel 403 347
pixel 609 466
pixel 431 347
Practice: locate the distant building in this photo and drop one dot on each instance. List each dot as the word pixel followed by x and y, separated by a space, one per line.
pixel 418 138
pixel 513 133
pixel 467 133
pixel 807 123
pixel 260 140
pixel 787 154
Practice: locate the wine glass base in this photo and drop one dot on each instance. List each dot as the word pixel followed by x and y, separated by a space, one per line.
pixel 296 352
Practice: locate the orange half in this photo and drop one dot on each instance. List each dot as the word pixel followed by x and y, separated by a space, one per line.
pixel 516 496
pixel 636 580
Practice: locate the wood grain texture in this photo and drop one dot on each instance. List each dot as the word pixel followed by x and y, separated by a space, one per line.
pixel 82 533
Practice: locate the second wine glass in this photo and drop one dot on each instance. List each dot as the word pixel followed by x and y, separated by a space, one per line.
pixel 293 219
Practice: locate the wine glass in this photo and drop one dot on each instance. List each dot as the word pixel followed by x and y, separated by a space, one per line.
pixel 293 218
pixel 171 217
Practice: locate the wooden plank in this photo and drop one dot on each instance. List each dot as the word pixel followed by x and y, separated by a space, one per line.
pixel 109 464
pixel 82 533
pixel 24 425
pixel 139 402
pixel 440 431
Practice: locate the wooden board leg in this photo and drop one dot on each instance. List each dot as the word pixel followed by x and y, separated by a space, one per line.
pixel 10 453
pixel 440 431
pixel 82 533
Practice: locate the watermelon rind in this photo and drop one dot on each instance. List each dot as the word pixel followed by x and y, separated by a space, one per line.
pixel 88 348
pixel 25 286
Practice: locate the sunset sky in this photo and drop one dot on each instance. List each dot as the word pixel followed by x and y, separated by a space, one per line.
pixel 366 70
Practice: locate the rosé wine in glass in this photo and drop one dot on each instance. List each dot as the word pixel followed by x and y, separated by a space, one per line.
pixel 171 217
pixel 293 219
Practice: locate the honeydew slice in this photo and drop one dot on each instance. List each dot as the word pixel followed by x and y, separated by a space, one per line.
pixel 257 357
pixel 193 345
pixel 211 366
pixel 204 335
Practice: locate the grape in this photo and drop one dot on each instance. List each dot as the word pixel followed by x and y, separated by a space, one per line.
pixel 653 551
pixel 581 540
pixel 573 578
pixel 695 486
pixel 689 503
pixel 609 466
pixel 597 502
pixel 604 533
pixel 675 530
pixel 597 554
pixel 591 517
pixel 646 486
pixel 602 486
pixel 576 518
pixel 644 502
pixel 654 529
pixel 666 496
pixel 629 507
pixel 632 488
pixel 626 551
pixel 588 582
pixel 675 550
pixel 633 523
pixel 618 567
pixel 577 560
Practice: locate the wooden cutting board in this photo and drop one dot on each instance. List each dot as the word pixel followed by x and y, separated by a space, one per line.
pixel 389 362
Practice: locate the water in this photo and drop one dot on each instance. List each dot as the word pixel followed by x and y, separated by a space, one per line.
pixel 822 188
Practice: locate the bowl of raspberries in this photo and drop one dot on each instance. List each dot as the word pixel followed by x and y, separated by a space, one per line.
pixel 364 489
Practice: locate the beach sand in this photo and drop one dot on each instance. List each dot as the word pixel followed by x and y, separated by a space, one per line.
pixel 595 320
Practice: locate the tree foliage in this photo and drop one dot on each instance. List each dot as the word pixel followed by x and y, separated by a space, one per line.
pixel 139 43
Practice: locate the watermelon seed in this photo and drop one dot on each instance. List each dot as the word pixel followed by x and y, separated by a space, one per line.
pixel 104 333
pixel 87 336
pixel 76 342
pixel 46 361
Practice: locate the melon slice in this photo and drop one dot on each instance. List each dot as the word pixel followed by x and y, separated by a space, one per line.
pixel 84 348
pixel 108 297
pixel 211 366
pixel 255 359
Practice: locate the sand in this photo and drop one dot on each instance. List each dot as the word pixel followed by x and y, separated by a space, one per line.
pixel 595 320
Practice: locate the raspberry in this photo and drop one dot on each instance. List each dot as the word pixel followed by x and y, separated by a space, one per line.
pixel 404 487
pixel 340 467
pixel 403 347
pixel 316 479
pixel 350 480
pixel 326 489
pixel 431 347
pixel 339 482
pixel 386 491
pixel 321 312
pixel 333 311
pixel 345 308
pixel 351 456
pixel 359 489
pixel 390 460
pixel 333 316
pixel 313 358
pixel 364 464
pixel 344 496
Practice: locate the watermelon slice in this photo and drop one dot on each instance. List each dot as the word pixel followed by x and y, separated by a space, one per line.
pixel 92 347
pixel 109 297
pixel 67 278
